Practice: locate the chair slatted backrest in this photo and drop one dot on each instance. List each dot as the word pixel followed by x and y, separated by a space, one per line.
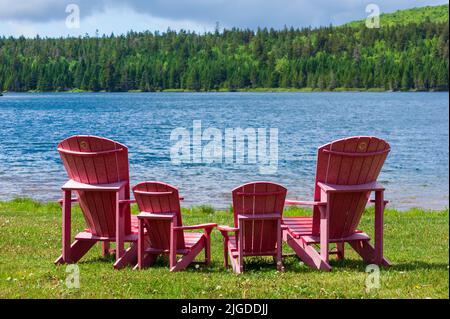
pixel 258 198
pixel 159 198
pixel 96 160
pixel 350 161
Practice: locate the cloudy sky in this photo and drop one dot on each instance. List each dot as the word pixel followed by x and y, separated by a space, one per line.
pixel 49 17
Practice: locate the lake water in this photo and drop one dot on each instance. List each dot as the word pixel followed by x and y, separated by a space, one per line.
pixel 416 173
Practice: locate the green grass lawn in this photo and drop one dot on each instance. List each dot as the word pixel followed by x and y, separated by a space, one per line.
pixel 416 241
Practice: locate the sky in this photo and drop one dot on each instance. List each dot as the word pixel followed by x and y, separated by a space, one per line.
pixel 55 18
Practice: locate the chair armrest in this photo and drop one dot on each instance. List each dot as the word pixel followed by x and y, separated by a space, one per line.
pixel 224 230
pixel 289 202
pixel 260 217
pixel 227 229
pixel 146 215
pixel 202 226
pixel 133 201
pixel 331 188
pixel 77 186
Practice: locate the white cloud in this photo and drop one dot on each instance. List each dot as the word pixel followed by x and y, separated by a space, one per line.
pixel 37 10
pixel 118 21
pixel 47 17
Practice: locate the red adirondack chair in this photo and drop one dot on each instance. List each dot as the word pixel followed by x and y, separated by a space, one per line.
pixel 347 172
pixel 98 175
pixel 161 230
pixel 257 210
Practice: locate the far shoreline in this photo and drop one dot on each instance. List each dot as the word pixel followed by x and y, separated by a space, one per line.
pixel 248 90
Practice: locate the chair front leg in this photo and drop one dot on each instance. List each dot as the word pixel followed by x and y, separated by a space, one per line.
pixel 105 248
pixel 340 248
pixel 324 235
pixel 279 258
pixel 379 225
pixel 208 246
pixel 120 233
pixel 66 226
pixel 173 245
pixel 226 240
pixel 240 241
pixel 141 251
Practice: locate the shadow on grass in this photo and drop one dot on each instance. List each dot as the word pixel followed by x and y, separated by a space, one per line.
pixel 251 264
pixel 349 264
pixel 109 259
pixel 162 262
pixel 419 265
pixel 267 265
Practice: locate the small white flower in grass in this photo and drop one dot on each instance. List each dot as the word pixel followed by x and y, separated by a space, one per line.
pixel 218 287
pixel 197 266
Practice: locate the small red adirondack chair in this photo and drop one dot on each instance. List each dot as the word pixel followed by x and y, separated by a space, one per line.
pixel 98 175
pixel 257 210
pixel 161 230
pixel 347 172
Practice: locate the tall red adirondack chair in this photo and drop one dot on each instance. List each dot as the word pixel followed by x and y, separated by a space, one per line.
pixel 257 209
pixel 347 172
pixel 98 175
pixel 161 230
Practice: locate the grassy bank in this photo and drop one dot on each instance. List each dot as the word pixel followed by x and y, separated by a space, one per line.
pixel 416 241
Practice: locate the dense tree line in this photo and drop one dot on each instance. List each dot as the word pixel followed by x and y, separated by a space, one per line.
pixel 397 57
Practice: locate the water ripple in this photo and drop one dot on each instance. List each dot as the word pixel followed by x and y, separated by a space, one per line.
pixel 416 125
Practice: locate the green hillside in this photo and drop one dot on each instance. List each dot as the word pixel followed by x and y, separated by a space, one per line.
pixel 436 14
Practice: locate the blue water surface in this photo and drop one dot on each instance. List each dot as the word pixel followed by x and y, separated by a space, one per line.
pixel 416 173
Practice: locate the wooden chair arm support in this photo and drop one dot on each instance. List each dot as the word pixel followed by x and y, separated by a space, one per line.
pixel 145 215
pixel 289 202
pixel 260 217
pixel 72 200
pixel 372 201
pixel 227 229
pixel 127 201
pixel 206 227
